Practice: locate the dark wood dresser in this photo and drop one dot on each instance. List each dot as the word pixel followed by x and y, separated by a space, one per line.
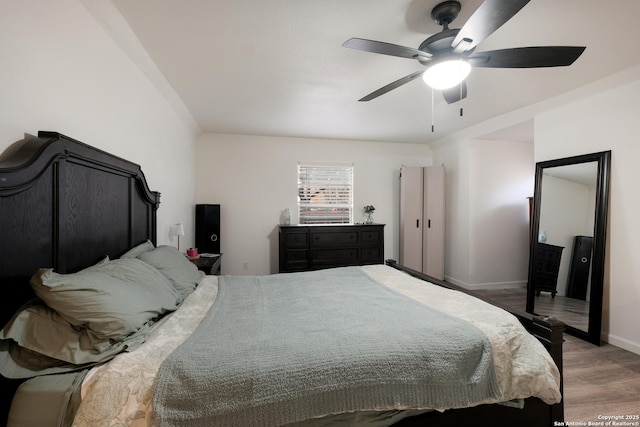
pixel 546 269
pixel 314 247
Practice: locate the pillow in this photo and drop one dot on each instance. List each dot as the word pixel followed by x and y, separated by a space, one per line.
pixel 40 329
pixel 138 250
pixel 37 340
pixel 20 362
pixel 110 300
pixel 181 272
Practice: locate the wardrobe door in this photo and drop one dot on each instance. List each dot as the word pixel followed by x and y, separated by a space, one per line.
pixel 433 230
pixel 411 191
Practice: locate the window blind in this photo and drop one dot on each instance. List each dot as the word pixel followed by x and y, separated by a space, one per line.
pixel 325 194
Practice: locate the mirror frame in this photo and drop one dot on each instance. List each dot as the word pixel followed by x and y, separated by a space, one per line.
pixel 603 159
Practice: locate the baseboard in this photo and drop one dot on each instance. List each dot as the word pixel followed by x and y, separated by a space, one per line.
pixel 621 342
pixel 456 282
pixel 489 285
pixel 500 285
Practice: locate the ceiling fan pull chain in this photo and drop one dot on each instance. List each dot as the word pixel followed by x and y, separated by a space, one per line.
pixel 433 128
pixel 461 98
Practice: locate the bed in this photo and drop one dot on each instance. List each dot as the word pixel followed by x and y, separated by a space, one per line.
pixel 352 345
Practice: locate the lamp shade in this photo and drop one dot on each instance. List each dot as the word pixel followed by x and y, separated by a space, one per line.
pixel 446 74
pixel 177 230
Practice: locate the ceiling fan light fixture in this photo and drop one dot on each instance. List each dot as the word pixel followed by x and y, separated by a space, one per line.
pixel 446 74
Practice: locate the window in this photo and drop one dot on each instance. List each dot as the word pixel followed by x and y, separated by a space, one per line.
pixel 325 194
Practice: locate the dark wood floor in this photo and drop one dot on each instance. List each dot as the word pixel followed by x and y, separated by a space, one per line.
pixel 598 380
pixel 570 310
pixel 601 380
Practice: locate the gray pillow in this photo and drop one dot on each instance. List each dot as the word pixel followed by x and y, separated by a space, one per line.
pixel 181 272
pixel 41 329
pixel 110 300
pixel 37 341
pixel 135 251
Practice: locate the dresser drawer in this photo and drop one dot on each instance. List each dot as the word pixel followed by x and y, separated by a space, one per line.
pixel 333 239
pixel 371 237
pixel 296 259
pixel 334 257
pixel 296 240
pixel 372 255
pixel 549 253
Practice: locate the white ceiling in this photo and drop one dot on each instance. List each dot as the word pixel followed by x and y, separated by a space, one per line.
pixel 277 67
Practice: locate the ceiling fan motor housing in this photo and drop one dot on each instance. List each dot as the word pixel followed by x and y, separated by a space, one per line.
pixel 444 13
pixel 438 43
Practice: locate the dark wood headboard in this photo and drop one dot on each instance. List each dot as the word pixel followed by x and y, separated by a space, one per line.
pixel 65 205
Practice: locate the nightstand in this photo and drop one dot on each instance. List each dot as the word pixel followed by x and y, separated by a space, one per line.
pixel 210 265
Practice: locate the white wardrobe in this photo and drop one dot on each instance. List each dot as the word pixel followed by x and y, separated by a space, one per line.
pixel 422 219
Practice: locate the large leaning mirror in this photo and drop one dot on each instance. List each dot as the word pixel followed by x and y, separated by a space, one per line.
pixel 568 239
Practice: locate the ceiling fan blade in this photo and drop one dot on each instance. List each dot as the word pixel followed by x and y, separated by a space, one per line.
pixel 385 48
pixel 455 93
pixel 527 57
pixel 490 16
pixel 391 86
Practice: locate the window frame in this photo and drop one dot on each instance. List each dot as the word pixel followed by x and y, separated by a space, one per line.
pixel 339 193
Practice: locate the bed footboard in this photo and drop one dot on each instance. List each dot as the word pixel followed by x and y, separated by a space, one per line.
pixel 548 330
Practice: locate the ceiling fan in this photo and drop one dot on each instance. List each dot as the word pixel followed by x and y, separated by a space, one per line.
pixel 450 54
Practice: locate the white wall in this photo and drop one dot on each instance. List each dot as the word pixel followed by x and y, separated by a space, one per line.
pixel 254 178
pixel 567 210
pixel 607 121
pixel 62 72
pixel 501 177
pixel 488 182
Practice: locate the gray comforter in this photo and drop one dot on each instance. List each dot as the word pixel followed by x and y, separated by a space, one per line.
pixel 288 347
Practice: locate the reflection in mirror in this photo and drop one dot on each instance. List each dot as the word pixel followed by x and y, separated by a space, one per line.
pixel 566 266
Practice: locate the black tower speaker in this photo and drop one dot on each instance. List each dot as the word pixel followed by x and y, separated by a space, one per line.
pixel 580 266
pixel 208 228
